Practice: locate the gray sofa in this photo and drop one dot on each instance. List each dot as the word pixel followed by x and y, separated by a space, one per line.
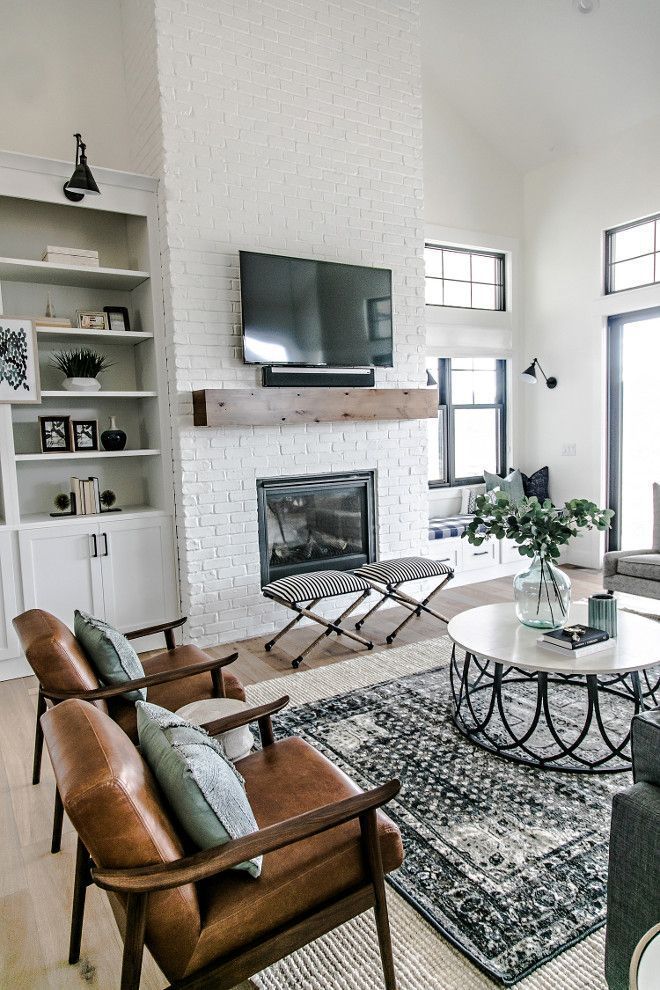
pixel 633 887
pixel 636 572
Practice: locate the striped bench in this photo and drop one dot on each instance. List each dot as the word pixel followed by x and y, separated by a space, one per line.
pixel 387 576
pixel 311 588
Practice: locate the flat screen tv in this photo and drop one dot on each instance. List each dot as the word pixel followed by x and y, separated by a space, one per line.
pixel 315 313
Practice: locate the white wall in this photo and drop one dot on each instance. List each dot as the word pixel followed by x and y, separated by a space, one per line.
pixel 62 71
pixel 292 128
pixel 567 207
pixel 467 183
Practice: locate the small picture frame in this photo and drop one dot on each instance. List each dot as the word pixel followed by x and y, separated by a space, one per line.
pixel 55 434
pixel 19 366
pixel 118 318
pixel 84 435
pixel 89 320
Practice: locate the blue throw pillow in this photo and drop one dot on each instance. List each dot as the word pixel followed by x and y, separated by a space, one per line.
pixel 110 654
pixel 537 484
pixel 512 485
pixel 204 790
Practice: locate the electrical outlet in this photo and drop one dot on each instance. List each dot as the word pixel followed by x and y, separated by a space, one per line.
pixel 568 450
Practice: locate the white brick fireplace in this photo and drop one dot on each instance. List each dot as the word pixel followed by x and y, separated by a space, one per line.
pixel 292 127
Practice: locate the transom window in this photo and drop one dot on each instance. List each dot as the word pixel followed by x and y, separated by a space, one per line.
pixel 470 433
pixel 464 278
pixel 632 255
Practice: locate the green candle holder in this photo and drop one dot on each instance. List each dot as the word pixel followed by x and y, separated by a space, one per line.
pixel 603 614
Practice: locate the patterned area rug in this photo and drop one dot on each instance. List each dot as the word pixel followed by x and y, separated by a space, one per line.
pixel 507 862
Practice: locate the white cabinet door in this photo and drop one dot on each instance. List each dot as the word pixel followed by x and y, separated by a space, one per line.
pixel 477 557
pixel 8 606
pixel 61 570
pixel 139 577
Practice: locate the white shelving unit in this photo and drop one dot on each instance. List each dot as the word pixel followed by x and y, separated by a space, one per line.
pixel 41 554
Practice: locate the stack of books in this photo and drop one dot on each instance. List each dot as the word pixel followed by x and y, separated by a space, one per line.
pixel 70 256
pixel 86 496
pixel 575 640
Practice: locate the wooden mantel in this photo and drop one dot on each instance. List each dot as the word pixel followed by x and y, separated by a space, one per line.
pixel 275 406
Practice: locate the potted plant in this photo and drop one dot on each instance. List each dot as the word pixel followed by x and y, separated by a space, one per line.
pixel 80 369
pixel 542 591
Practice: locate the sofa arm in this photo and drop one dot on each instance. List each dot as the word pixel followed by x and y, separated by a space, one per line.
pixel 611 559
pixel 645 746
pixel 633 891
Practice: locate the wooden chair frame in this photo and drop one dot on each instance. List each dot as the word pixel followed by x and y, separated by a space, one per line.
pixel 306 612
pixel 213 665
pixel 227 971
pixel 392 592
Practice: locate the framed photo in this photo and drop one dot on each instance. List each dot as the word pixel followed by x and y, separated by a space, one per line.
pixel 84 434
pixel 55 434
pixel 91 320
pixel 19 361
pixel 118 318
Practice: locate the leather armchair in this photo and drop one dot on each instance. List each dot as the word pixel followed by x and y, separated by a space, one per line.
pixel 175 678
pixel 326 849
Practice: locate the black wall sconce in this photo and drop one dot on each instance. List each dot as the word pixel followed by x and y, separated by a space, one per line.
pixel 82 181
pixel 529 374
pixel 430 380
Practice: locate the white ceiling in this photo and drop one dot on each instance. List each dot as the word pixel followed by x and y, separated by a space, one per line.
pixel 538 79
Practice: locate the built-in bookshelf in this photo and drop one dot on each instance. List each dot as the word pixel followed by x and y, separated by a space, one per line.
pixel 121 225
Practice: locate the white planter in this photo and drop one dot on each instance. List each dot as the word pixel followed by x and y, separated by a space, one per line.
pixel 81 384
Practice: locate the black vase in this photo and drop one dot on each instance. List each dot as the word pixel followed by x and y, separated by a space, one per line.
pixel 113 439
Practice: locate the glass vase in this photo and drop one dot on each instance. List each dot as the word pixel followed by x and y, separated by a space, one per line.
pixel 542 593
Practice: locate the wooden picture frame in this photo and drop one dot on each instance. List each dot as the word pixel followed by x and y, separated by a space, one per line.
pixel 117 318
pixel 91 320
pixel 19 367
pixel 55 434
pixel 84 435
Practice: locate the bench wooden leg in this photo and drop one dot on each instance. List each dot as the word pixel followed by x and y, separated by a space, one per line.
pixel 417 608
pixel 271 642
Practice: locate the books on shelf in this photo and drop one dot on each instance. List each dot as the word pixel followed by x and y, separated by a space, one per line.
pixel 55 255
pixel 575 640
pixel 86 496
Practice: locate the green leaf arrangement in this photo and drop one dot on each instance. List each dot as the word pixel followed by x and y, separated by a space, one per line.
pixel 537 528
pixel 81 363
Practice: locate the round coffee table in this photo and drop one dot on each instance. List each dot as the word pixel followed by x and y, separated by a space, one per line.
pixel 532 705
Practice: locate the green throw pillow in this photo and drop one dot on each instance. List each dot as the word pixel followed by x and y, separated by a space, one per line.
pixel 110 654
pixel 512 485
pixel 205 791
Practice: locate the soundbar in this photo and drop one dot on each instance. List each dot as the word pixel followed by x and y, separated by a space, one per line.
pixel 278 377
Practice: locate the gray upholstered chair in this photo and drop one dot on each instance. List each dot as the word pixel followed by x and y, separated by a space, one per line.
pixel 636 572
pixel 633 887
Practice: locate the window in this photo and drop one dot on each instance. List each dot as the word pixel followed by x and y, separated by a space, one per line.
pixel 470 433
pixel 464 278
pixel 632 255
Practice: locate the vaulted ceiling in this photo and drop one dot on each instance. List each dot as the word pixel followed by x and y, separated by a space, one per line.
pixel 537 78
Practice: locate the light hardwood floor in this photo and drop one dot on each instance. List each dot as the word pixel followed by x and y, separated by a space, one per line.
pixel 36 887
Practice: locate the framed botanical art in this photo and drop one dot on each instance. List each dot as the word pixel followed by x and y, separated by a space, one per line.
pixel 55 434
pixel 19 361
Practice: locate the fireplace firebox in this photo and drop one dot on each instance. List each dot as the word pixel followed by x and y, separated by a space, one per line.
pixel 313 523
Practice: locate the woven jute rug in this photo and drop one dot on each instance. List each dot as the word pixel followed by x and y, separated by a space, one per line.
pixel 348 957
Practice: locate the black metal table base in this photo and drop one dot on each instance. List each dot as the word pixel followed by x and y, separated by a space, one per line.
pixel 483 714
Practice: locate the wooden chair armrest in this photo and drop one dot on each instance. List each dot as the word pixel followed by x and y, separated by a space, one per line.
pixel 261 715
pixel 164 627
pixel 162 677
pixel 209 862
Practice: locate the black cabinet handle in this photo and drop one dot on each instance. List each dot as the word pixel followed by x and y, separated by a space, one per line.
pixel 483 553
pixel 95 544
pixel 106 552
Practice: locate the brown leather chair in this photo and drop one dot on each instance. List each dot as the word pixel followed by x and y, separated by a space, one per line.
pixel 174 678
pixel 325 846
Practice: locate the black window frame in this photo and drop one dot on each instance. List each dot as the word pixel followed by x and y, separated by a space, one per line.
pixel 500 285
pixel 446 415
pixel 609 264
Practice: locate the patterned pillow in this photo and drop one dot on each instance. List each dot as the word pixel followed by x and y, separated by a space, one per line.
pixel 204 790
pixel 472 501
pixel 110 654
pixel 512 485
pixel 537 484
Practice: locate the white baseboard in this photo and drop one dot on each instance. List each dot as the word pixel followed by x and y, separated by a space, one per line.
pixel 11 669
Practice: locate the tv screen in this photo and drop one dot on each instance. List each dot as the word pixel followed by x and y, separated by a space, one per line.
pixel 315 313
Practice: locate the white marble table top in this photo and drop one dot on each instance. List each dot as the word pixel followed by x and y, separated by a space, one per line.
pixel 493 632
